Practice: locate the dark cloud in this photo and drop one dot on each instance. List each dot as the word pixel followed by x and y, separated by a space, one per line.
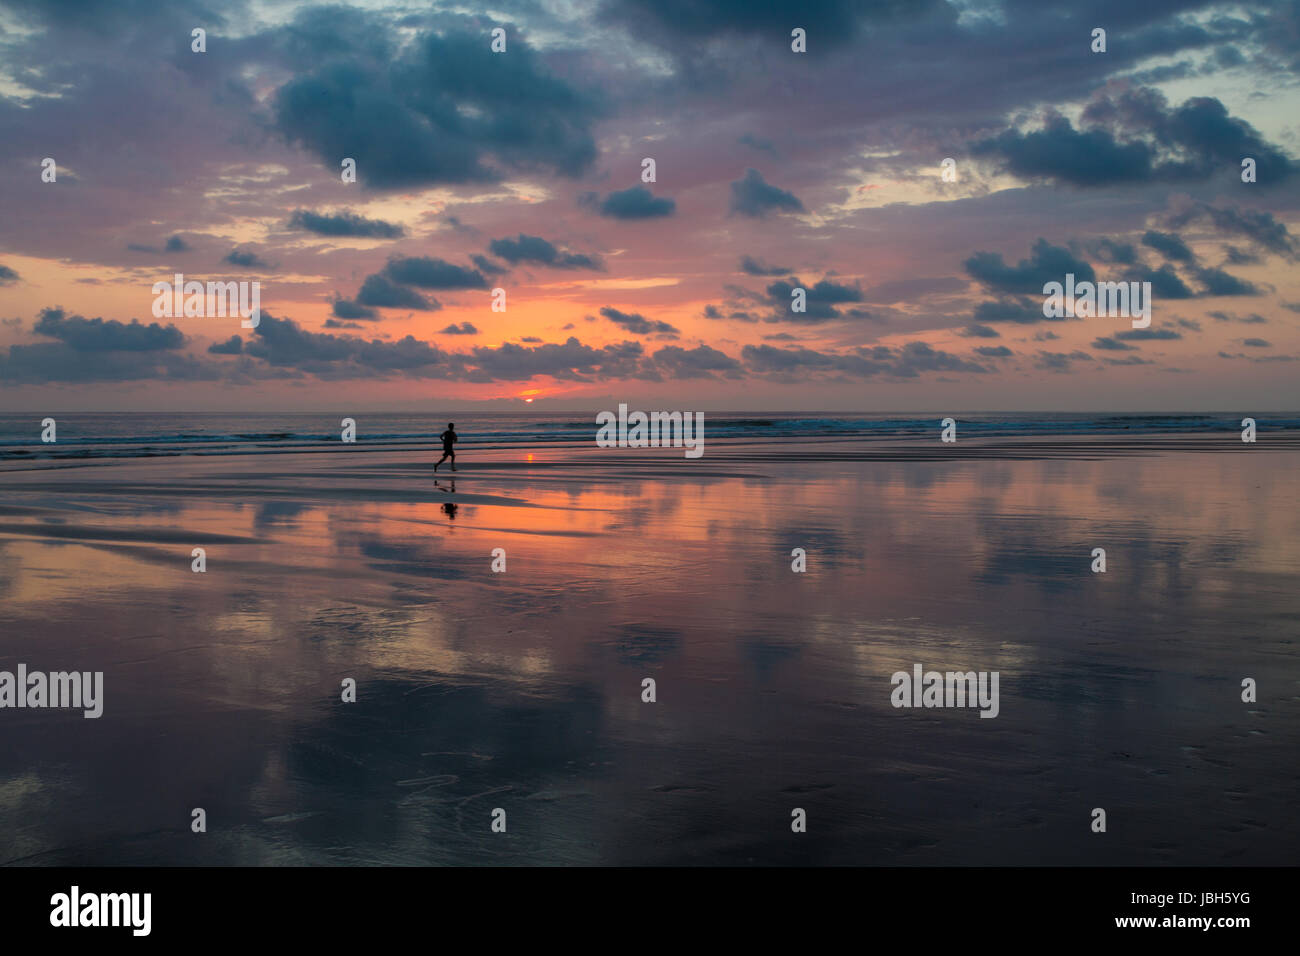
pixel 174 244
pixel 347 309
pixel 635 203
pixel 829 23
pixel 1109 344
pixel 106 335
pixel 1240 257
pixel 1061 361
pixel 232 346
pixel 1219 283
pixel 487 266
pixel 429 273
pixel 638 324
pixel 977 331
pixel 538 250
pixel 244 259
pixel 1022 311
pixel 1165 282
pixel 819 300
pixel 752 196
pixel 1168 245
pixel 751 266
pixel 344 224
pixel 443 109
pixel 1133 335
pixel 7 276
pixel 702 361
pixel 1135 138
pixel 1046 263
pixel 465 328
pixel 568 361
pixel 378 291
pixel 100 350
pixel 1260 228
pixel 794 363
pixel 994 351
pixel 1111 250
pixel 282 343
pixel 1257 343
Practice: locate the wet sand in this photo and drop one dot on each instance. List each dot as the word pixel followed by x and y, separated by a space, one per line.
pixel 522 690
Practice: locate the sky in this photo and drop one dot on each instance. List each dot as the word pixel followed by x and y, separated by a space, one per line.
pixel 524 170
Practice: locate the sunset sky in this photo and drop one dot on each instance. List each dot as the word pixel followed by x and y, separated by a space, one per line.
pixel 774 169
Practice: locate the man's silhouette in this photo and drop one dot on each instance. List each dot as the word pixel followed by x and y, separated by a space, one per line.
pixel 449 437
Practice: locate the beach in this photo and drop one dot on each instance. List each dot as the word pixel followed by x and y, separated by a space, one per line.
pixel 522 688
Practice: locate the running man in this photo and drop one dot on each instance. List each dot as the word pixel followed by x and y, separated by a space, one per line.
pixel 449 437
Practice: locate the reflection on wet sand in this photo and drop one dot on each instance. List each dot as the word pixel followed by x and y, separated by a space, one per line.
pixel 522 689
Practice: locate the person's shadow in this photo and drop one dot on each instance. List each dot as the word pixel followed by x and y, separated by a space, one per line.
pixel 449 508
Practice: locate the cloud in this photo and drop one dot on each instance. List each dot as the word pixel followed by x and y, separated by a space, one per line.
pixel 442 109
pixel 635 203
pixel 535 249
pixel 977 331
pixel 1135 138
pixel 794 363
pixel 1165 282
pixel 428 273
pixel 248 260
pixel 1168 245
pixel 1260 228
pixel 1111 250
pixel 487 266
pixel 100 350
pixel 674 24
pixel 7 276
pixel 1153 334
pixel 1061 361
pixel 1257 343
pixel 232 346
pixel 1219 283
pixel 344 224
pixel 1110 344
pixel 106 335
pixel 567 361
pixel 1046 263
pixel 700 362
pixel 347 309
pixel 174 244
pixel 819 300
pixel 465 328
pixel 1022 311
pixel 378 291
pixel 1240 257
pixel 638 324
pixel 282 343
pixel 752 196
pixel 751 266
pixel 994 351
